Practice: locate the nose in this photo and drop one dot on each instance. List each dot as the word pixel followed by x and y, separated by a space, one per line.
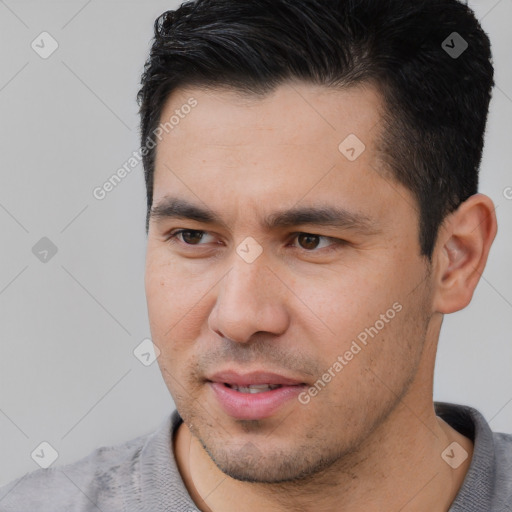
pixel 250 300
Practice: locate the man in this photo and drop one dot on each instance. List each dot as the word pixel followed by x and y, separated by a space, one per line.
pixel 313 212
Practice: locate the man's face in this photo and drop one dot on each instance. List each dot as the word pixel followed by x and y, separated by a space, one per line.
pixel 334 314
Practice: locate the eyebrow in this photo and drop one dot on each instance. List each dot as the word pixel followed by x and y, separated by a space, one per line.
pixel 328 216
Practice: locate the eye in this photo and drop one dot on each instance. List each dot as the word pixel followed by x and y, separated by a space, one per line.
pixel 188 236
pixel 309 241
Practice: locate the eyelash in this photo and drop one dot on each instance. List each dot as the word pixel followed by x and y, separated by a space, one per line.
pixel 172 239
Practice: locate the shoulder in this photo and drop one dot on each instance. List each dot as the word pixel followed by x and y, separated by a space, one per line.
pixel 503 444
pixel 488 482
pixel 503 466
pixel 101 479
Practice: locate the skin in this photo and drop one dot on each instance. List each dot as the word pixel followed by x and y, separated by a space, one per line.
pixel 370 440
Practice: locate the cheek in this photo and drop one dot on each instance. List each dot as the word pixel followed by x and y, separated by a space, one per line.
pixel 354 324
pixel 343 305
pixel 172 310
pixel 178 306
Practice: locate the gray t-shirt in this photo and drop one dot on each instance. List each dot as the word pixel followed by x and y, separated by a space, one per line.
pixel 141 474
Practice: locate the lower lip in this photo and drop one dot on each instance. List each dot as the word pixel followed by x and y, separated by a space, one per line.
pixel 253 406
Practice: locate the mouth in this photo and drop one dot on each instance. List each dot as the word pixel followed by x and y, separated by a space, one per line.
pixel 255 395
pixel 253 388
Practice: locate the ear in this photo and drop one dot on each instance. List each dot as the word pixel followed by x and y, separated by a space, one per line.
pixel 461 251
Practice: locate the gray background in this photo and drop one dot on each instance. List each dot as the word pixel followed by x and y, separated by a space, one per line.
pixel 68 327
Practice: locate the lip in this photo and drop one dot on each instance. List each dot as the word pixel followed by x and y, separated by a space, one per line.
pixel 253 406
pixel 255 377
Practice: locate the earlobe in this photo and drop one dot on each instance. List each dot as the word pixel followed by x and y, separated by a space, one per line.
pixel 464 243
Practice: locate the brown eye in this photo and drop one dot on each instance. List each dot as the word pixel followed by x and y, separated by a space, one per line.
pixel 308 241
pixel 191 237
pixel 314 244
pixel 187 237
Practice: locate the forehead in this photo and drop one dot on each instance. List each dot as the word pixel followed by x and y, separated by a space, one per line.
pixel 294 112
pixel 299 143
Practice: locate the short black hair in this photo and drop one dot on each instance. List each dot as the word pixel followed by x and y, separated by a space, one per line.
pixel 436 98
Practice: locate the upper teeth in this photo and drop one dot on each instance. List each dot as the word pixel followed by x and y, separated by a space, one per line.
pixel 254 388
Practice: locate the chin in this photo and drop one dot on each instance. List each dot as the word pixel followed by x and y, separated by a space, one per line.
pixel 249 464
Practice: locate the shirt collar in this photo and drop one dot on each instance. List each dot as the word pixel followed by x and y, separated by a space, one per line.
pixel 476 491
